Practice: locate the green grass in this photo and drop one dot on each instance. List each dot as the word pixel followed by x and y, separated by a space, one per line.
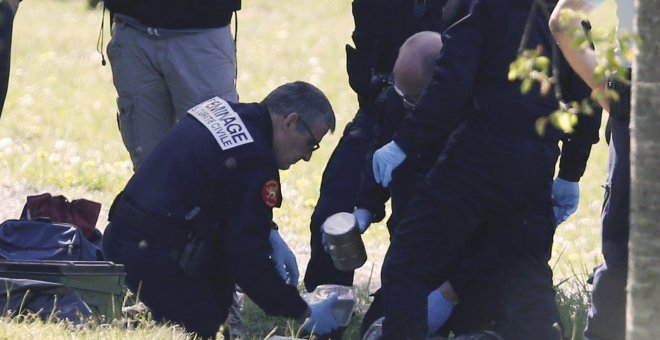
pixel 30 327
pixel 259 325
pixel 59 125
pixel 573 298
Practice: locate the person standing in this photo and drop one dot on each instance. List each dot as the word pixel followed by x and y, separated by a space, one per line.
pixel 411 74
pixel 381 27
pixel 607 315
pixel 166 56
pixel 475 297
pixel 494 167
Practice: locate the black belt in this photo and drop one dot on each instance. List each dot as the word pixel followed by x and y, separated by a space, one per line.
pixel 157 32
pixel 172 231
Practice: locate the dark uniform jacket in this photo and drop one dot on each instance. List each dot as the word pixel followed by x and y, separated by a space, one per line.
pixel 424 132
pixel 236 188
pixel 474 65
pixel 177 14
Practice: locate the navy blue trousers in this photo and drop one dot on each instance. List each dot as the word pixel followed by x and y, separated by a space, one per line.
pixel 339 185
pixel 484 172
pixel 152 272
pixel 607 316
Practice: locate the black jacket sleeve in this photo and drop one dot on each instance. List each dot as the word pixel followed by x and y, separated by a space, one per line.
pixel 576 147
pixel 248 247
pixel 372 195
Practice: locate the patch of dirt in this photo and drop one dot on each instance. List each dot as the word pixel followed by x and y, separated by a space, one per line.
pixel 369 273
pixel 14 194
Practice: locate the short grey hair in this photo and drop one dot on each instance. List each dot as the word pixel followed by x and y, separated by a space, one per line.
pixel 303 98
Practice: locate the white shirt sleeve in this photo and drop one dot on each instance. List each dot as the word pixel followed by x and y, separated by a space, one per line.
pixel 625 10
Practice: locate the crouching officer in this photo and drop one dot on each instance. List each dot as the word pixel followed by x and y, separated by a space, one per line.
pixel 195 219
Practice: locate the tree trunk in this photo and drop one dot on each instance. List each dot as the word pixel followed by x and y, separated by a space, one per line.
pixel 643 312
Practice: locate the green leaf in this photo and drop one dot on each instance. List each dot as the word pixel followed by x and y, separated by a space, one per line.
pixel 612 95
pixel 563 120
pixel 540 124
pixel 526 85
pixel 543 63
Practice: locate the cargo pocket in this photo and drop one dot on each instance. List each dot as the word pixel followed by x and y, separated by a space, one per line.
pixel 127 125
pixel 113 50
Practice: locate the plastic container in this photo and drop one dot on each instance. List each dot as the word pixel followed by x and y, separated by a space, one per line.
pixel 343 308
pixel 375 331
pixel 99 283
pixel 345 242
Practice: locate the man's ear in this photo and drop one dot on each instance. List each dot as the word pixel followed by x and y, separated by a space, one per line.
pixel 291 120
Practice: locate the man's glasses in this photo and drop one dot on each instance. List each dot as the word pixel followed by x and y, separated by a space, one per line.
pixel 313 142
pixel 406 101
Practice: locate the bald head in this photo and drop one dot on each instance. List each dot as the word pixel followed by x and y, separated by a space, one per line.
pixel 414 65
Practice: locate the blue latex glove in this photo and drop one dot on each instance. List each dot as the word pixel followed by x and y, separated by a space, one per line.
pixel 321 321
pixel 364 218
pixel 285 260
pixel 565 198
pixel 386 159
pixel 439 310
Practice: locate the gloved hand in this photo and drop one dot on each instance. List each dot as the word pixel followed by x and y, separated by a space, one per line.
pixel 565 198
pixel 285 260
pixel 321 321
pixel 386 159
pixel 439 310
pixel 364 218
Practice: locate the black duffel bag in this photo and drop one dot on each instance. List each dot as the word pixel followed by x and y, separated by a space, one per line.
pixel 44 240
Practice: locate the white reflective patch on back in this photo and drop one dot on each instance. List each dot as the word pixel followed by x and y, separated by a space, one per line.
pixel 223 122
